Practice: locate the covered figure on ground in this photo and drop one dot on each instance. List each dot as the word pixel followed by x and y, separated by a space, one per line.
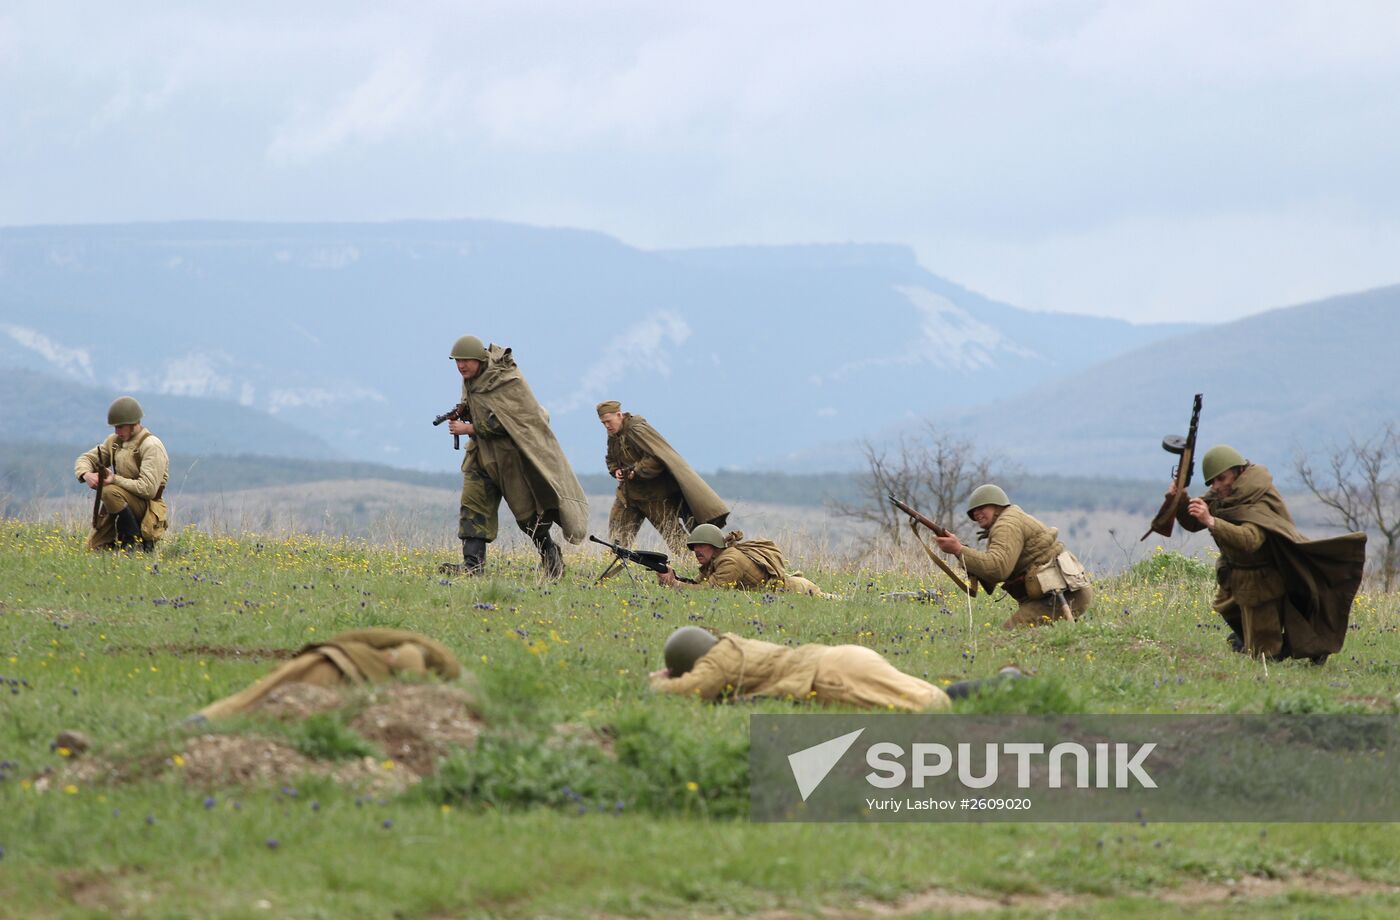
pixel 654 483
pixel 730 561
pixel 128 472
pixel 730 667
pixel 1282 595
pixel 512 454
pixel 354 658
pixel 1025 557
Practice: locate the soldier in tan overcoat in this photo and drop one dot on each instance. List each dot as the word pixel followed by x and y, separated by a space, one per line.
pixel 1282 595
pixel 1025 557
pixel 354 658
pixel 513 454
pixel 654 483
pixel 730 561
pixel 128 471
pixel 730 667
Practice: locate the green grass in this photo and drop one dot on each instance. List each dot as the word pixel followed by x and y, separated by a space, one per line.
pixel 538 821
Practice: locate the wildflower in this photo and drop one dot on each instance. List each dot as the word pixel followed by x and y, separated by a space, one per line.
pixel 693 786
pixel 64 752
pixel 177 760
pixel 272 843
pixel 208 803
pixel 70 789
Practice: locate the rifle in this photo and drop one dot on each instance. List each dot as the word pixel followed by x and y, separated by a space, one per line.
pixel 1185 448
pixel 647 559
pixel 457 413
pixel 916 518
pixel 101 481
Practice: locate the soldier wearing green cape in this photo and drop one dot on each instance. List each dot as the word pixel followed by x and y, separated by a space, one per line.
pixel 358 657
pixel 654 483
pixel 1282 595
pixel 514 455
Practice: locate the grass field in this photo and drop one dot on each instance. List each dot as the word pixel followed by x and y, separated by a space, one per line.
pixel 585 795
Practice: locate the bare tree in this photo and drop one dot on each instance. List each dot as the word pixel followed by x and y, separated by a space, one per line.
pixel 932 470
pixel 1361 485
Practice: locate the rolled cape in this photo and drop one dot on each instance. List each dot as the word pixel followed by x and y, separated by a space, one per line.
pixel 608 407
pixel 360 656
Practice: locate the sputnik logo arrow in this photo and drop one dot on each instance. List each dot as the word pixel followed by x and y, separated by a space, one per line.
pixel 811 765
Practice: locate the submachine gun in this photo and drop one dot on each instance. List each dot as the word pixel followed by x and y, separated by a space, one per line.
pixel 457 413
pixel 647 559
pixel 915 519
pixel 1184 448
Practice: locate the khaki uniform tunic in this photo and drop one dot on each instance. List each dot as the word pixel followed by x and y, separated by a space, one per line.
pixel 142 470
pixel 850 675
pixel 732 567
pixel 1017 544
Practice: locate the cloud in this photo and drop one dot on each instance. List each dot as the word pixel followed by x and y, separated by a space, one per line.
pixel 644 347
pixel 76 362
pixel 318 397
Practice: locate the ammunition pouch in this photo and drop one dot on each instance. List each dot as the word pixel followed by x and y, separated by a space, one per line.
pixel 1063 573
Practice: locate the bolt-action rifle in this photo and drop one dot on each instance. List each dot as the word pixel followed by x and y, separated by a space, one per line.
pixel 1185 448
pixel 457 413
pixel 915 519
pixel 102 480
pixel 659 563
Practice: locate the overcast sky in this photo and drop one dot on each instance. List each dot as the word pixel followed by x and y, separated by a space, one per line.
pixel 1172 160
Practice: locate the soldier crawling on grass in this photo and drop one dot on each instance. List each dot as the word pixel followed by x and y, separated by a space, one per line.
pixel 730 561
pixel 128 472
pixel 730 667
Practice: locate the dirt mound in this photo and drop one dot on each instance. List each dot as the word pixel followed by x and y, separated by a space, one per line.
pixel 297 701
pixel 415 724
pixel 217 761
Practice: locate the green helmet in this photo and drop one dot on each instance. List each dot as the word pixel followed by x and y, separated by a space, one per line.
pixel 468 346
pixel 1218 459
pixel 685 646
pixel 124 410
pixel 987 494
pixel 707 534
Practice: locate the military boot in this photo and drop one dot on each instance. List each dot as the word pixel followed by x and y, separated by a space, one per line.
pixel 128 529
pixel 965 688
pixel 473 559
pixel 551 559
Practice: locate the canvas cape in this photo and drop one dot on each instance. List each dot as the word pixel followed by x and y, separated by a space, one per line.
pixel 704 503
pixel 1321 577
pixel 501 389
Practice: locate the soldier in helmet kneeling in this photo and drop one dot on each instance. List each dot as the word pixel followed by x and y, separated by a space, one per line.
pixel 730 667
pixel 730 561
pixel 1025 557
pixel 128 471
pixel 1281 594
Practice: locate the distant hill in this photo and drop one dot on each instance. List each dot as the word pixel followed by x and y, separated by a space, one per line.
pixel 31 471
pixel 1290 379
pixel 741 356
pixel 44 408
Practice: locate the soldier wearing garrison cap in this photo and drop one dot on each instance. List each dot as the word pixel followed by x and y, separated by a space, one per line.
pixel 128 472
pixel 514 455
pixel 654 483
pixel 1025 557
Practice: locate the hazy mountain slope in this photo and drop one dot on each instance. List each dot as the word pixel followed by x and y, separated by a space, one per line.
pixel 1294 378
pixel 41 407
pixel 740 356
